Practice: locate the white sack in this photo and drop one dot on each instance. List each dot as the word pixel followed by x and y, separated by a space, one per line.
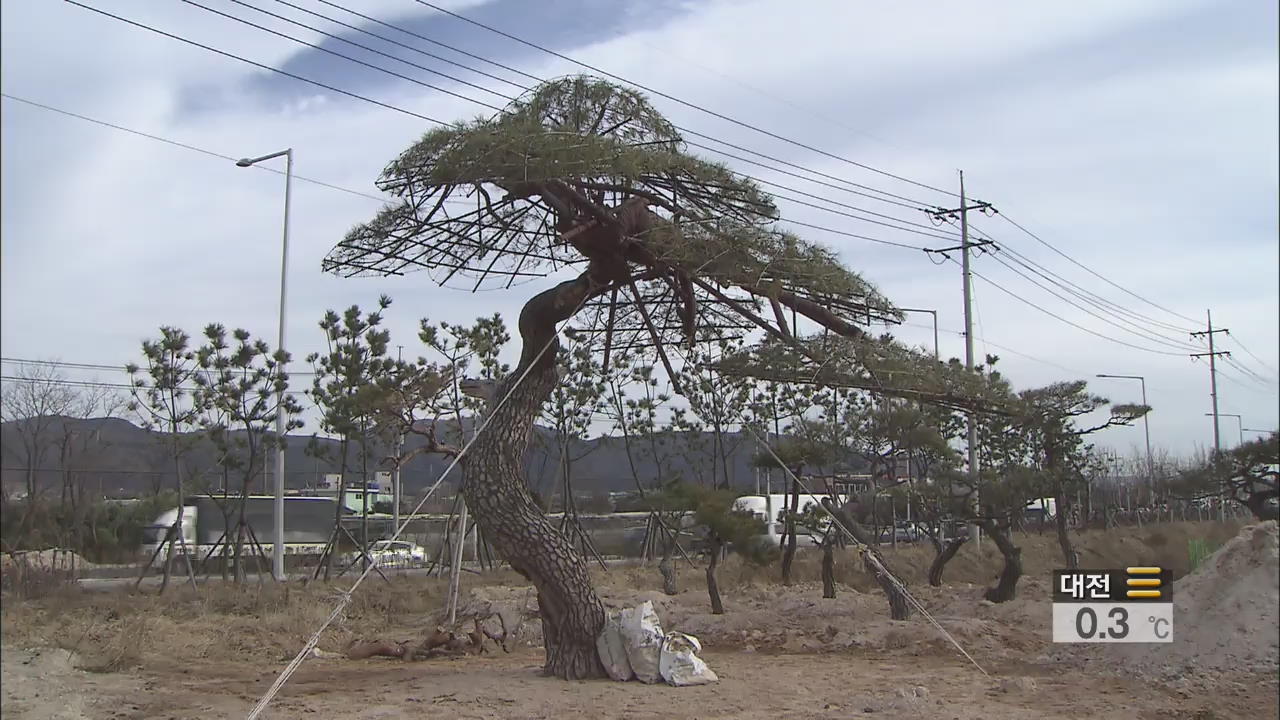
pixel 679 662
pixel 613 650
pixel 643 637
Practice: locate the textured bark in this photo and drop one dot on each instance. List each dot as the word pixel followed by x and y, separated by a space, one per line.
pixel 828 571
pixel 1069 554
pixel 944 555
pixel 1007 585
pixel 498 495
pixel 713 586
pixel 873 563
pixel 668 570
pixel 789 553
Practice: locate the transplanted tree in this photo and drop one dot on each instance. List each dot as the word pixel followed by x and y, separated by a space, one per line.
pixel 578 173
pixel 1248 474
pixel 884 369
pixel 345 376
pixel 163 399
pixel 1036 451
pixel 241 386
pixel 713 515
pixel 805 446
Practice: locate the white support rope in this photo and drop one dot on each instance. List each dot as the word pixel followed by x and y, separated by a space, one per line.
pixel 298 659
pixel 865 551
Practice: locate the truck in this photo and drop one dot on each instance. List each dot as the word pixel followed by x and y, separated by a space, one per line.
pixel 770 509
pixel 308 524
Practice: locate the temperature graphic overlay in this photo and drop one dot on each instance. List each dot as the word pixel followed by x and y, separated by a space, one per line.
pixel 1130 605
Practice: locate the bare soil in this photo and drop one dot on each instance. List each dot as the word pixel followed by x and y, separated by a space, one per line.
pixel 781 652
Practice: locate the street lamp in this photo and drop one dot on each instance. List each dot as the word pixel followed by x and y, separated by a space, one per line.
pixel 277 555
pixel 934 313
pixel 1264 432
pixel 1239 422
pixel 1146 425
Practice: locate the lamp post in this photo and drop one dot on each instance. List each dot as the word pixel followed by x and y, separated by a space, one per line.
pixel 1146 425
pixel 277 555
pixel 1264 432
pixel 1239 422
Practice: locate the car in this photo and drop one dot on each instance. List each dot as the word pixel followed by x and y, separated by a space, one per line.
pixel 398 553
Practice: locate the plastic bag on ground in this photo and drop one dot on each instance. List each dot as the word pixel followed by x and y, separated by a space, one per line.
pixel 643 637
pixel 613 650
pixel 679 662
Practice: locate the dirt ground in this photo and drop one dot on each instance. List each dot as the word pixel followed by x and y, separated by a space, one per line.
pixel 779 652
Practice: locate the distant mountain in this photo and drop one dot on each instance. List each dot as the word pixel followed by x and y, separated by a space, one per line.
pixel 122 459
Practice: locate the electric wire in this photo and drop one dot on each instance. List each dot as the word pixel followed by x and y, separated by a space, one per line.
pixel 1249 352
pixel 254 63
pixel 1093 298
pixel 900 200
pixel 409 112
pixel 693 106
pixel 1054 315
pixel 1142 333
pixel 929 231
pixel 1093 272
pixel 1120 312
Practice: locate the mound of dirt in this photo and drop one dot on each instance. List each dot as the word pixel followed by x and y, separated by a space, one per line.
pixel 1224 614
pixel 49 560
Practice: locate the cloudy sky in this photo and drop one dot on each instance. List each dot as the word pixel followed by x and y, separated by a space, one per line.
pixel 1137 140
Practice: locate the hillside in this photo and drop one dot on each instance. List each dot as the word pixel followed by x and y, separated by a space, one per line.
pixel 122 459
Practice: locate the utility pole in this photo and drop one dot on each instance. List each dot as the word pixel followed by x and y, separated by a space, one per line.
pixel 395 476
pixel 963 247
pixel 1213 393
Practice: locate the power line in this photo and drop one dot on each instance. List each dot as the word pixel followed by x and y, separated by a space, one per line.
pixel 357 61
pixel 423 37
pixel 1247 372
pixel 233 56
pixel 849 234
pixel 1081 292
pixel 1084 267
pixel 339 38
pixel 95 366
pixel 392 107
pixel 331 186
pixel 929 231
pixel 910 204
pixel 186 146
pixel 1140 332
pixel 1249 352
pixel 686 103
pixel 1068 322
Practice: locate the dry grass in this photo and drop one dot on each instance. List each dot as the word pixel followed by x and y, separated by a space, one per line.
pixel 111 631
pixel 1163 545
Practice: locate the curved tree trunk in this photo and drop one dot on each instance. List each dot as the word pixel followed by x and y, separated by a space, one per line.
pixel 874 564
pixel 498 494
pixel 1006 587
pixel 944 555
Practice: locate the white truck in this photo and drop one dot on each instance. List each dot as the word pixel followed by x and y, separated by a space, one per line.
pixel 308 524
